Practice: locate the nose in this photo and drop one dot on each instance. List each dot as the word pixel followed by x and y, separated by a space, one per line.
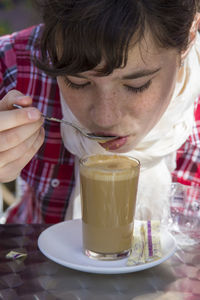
pixel 106 111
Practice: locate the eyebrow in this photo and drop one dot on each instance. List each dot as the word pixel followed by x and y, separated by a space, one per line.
pixel 140 74
pixel 135 75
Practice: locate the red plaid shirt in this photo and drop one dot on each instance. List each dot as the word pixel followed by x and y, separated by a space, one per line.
pixel 49 176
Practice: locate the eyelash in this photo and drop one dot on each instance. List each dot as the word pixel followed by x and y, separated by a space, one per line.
pixel 74 85
pixel 129 88
pixel 139 89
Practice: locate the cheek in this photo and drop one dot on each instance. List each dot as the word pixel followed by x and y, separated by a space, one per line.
pixel 73 99
pixel 78 107
pixel 159 97
pixel 149 107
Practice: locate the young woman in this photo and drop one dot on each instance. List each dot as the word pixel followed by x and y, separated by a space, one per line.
pixel 126 68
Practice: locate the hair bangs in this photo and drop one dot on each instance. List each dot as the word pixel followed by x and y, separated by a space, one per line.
pixel 97 41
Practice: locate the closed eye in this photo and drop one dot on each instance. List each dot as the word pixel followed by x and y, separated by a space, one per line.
pixel 138 89
pixel 132 89
pixel 75 85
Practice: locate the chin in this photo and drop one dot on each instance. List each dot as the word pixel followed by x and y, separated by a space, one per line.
pixel 124 149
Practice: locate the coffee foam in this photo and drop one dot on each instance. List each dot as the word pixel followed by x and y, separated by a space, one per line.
pixel 110 167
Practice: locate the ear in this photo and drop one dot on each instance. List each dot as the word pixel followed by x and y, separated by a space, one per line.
pixel 192 35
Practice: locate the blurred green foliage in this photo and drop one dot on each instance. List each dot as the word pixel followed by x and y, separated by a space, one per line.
pixel 10 4
pixel 16 14
pixel 4 28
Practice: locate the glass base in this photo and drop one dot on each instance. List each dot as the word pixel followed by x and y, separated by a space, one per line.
pixel 107 256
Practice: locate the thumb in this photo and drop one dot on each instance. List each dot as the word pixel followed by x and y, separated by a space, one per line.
pixel 14 97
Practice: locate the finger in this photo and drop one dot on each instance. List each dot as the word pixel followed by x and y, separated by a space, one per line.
pixel 16 117
pixel 15 136
pixel 12 170
pixel 16 152
pixel 16 97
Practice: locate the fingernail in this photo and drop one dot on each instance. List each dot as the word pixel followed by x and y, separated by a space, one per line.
pixel 23 99
pixel 33 114
pixel 20 97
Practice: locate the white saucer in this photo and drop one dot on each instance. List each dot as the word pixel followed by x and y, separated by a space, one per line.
pixel 62 243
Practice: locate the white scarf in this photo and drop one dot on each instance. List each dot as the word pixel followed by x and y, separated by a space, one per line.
pixel 156 152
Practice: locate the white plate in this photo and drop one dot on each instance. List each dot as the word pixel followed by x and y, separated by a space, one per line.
pixel 62 243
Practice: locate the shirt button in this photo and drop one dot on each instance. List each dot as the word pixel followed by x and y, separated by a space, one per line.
pixel 55 182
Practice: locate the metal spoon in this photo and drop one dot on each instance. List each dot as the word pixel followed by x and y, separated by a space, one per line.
pixel 92 136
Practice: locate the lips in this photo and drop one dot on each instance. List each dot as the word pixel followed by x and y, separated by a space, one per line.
pixel 115 144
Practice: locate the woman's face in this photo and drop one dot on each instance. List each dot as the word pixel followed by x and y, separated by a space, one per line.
pixel 130 101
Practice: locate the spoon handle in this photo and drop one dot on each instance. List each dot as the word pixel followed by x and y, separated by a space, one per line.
pixel 66 123
pixel 100 139
pixel 59 121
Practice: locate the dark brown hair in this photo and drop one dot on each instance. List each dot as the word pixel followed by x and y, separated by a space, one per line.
pixel 87 31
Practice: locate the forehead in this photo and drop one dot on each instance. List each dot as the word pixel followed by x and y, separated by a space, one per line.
pixel 145 52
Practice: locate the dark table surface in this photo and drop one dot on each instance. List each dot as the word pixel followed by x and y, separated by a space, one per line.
pixel 38 278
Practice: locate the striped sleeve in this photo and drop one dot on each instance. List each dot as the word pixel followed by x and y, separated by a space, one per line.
pixel 8 67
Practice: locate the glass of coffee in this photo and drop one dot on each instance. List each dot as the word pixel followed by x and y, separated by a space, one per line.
pixel 108 198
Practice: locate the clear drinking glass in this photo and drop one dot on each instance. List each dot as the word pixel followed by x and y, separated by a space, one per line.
pixel 108 197
pixel 185 210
